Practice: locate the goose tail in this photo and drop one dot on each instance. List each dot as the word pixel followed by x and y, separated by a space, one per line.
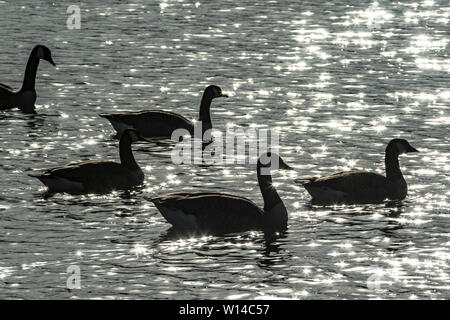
pixel 35 175
pixel 305 180
pixel 41 176
pixel 154 200
pixel 106 115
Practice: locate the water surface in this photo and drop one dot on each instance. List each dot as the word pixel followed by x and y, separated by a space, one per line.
pixel 337 79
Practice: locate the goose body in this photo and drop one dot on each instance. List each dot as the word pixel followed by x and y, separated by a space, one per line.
pixel 161 124
pixel 364 186
pixel 153 123
pixel 185 211
pixel 95 176
pixel 25 98
pixel 225 213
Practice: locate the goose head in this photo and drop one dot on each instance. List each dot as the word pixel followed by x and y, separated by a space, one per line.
pixel 44 53
pixel 215 92
pixel 271 160
pixel 400 146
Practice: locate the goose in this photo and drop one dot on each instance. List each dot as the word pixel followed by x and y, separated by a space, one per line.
pixel 362 186
pixel 25 98
pixel 95 176
pixel 161 124
pixel 214 212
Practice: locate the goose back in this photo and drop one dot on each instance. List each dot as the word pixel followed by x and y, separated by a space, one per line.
pixel 149 123
pixel 5 88
pixel 96 176
pixel 6 97
pixel 161 124
pixel 215 212
pixel 350 185
pixel 364 187
pixel 92 176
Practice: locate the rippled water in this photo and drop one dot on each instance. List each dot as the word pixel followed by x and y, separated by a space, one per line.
pixel 338 79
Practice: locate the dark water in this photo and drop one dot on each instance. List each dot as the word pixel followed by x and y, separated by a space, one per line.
pixel 338 80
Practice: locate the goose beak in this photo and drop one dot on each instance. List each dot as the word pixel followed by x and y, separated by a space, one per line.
pixel 223 95
pixel 284 166
pixel 50 60
pixel 412 149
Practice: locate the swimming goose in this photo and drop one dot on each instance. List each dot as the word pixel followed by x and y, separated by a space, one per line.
pixel 224 213
pixel 25 98
pixel 161 124
pixel 362 186
pixel 95 176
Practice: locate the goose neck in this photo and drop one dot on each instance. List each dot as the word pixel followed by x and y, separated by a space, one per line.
pixel 126 154
pixel 205 116
pixel 29 80
pixel 275 216
pixel 269 193
pixel 393 172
